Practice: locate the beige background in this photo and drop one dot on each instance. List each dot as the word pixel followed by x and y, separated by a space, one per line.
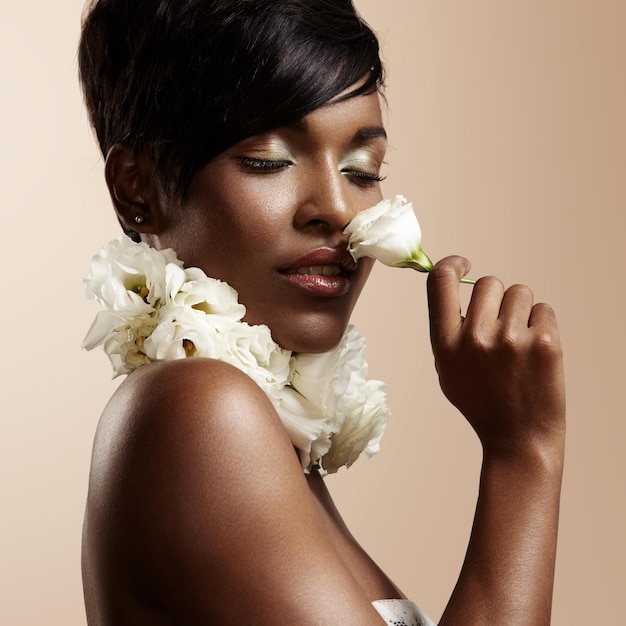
pixel 508 133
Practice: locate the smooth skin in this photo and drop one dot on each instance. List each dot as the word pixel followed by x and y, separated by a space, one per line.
pixel 198 511
pixel 261 205
pixel 501 366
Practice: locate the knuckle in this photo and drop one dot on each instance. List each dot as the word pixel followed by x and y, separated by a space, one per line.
pixel 442 273
pixel 521 290
pixel 490 281
pixel 479 339
pixel 510 339
pixel 547 345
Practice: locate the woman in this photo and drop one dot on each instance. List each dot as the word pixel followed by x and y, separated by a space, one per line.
pixel 245 135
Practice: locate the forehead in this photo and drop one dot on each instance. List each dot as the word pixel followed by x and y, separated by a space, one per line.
pixel 358 118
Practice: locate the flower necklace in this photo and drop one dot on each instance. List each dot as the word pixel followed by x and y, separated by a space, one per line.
pixel 154 309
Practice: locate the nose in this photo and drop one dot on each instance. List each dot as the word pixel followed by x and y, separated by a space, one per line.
pixel 326 200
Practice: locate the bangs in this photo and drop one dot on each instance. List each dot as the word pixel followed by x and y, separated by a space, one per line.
pixel 184 80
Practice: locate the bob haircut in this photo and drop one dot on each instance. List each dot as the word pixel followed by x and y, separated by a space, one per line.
pixel 183 80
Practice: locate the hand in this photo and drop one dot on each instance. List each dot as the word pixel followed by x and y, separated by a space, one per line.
pixel 501 364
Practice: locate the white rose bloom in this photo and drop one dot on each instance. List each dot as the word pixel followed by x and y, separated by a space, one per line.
pixel 355 409
pixel 193 288
pixel 361 430
pixel 124 348
pixel 309 429
pixel 327 377
pixel 108 322
pixel 105 323
pixel 183 332
pixel 254 352
pixel 350 374
pixel 128 277
pixel 390 233
pixel 122 339
pixel 312 374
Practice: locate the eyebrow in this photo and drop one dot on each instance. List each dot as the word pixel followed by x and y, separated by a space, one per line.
pixel 369 132
pixel 361 136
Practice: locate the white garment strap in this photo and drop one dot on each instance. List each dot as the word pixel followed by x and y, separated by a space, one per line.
pixel 398 612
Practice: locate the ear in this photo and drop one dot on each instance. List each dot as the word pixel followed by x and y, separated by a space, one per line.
pixel 136 196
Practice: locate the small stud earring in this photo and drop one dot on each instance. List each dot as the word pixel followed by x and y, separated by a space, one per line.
pixel 138 219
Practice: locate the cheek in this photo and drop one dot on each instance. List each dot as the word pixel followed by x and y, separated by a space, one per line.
pixel 254 208
pixel 266 201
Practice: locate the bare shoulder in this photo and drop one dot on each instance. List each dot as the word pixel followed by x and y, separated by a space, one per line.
pixel 195 415
pixel 204 400
pixel 198 507
pixel 180 430
pixel 176 452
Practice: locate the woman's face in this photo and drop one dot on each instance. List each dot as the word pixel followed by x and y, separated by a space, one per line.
pixel 267 216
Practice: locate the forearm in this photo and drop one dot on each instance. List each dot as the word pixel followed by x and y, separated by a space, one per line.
pixel 507 576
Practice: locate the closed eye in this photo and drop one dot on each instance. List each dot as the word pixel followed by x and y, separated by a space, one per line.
pixel 365 179
pixel 263 165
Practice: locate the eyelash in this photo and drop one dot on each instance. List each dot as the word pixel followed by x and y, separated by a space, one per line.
pixel 365 179
pixel 263 165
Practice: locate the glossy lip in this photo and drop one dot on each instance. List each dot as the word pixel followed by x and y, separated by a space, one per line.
pixel 317 284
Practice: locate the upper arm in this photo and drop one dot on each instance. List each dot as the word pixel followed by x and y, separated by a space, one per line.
pixel 207 507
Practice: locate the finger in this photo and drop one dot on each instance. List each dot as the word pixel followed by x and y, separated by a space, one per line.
pixel 484 305
pixel 516 307
pixel 542 315
pixel 444 303
pixel 546 331
pixel 543 321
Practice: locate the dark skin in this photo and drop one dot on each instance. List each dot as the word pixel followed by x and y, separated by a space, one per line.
pixel 198 510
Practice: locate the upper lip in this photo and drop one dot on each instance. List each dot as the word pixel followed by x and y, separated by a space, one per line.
pixel 324 256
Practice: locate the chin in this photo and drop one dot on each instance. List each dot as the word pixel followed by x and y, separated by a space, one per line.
pixel 310 339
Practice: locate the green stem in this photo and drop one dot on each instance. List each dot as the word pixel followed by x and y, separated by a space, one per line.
pixel 425 267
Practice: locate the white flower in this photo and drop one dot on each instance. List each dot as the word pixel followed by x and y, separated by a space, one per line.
pixel 121 338
pixel 128 280
pixel 253 351
pixel 183 332
pixel 390 233
pixel 335 382
pixel 125 350
pixel 193 288
pixel 129 277
pixel 309 428
pixel 196 318
pixel 154 310
pixel 360 405
pixel 362 428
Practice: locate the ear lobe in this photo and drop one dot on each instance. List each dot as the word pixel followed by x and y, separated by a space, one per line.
pixel 131 184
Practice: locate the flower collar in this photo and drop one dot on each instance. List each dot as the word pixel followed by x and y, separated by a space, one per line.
pixel 154 309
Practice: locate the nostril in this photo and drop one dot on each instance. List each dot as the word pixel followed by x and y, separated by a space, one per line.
pixel 323 207
pixel 317 224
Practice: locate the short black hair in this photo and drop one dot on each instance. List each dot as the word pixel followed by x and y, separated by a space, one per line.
pixel 183 80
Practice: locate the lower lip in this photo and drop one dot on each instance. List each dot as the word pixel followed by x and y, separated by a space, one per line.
pixel 321 286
